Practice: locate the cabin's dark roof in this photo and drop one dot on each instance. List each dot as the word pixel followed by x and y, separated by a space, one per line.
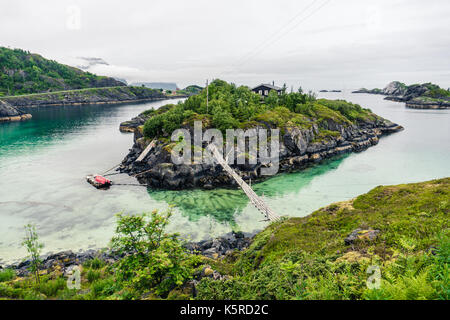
pixel 270 86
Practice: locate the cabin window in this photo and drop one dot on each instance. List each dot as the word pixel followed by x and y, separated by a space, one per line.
pixel 266 92
pixel 260 92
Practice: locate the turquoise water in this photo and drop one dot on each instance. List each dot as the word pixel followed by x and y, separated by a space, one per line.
pixel 43 164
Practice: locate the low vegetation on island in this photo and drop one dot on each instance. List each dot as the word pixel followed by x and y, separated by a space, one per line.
pixel 391 243
pixel 232 107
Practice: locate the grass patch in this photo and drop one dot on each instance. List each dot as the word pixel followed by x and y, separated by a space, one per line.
pixel 7 275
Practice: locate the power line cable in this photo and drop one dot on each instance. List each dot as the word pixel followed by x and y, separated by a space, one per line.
pixel 285 33
pixel 276 32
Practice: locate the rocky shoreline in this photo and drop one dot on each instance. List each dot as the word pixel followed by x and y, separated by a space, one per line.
pixel 224 247
pixel 333 91
pixel 64 261
pixel 108 95
pixel 9 114
pixel 298 149
pixel 421 103
pixel 13 108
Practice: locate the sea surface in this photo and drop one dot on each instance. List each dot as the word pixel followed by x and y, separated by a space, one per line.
pixel 44 162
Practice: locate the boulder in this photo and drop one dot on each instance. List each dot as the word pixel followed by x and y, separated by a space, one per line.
pixel 6 110
pixel 361 234
pixel 9 113
pixel 208 272
pixel 395 88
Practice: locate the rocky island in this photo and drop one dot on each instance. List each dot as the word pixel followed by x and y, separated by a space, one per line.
pixel 311 130
pixel 416 96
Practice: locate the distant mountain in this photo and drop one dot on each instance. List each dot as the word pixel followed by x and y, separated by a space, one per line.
pixel 22 72
pixel 157 85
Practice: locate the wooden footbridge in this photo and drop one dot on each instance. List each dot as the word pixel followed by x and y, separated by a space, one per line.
pixel 146 151
pixel 254 198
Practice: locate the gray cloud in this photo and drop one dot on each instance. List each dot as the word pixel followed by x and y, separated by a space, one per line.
pixel 331 44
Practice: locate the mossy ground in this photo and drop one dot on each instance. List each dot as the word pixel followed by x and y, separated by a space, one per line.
pixel 417 212
pixel 308 258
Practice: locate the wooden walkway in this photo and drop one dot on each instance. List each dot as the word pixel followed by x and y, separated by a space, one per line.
pixel 254 198
pixel 146 151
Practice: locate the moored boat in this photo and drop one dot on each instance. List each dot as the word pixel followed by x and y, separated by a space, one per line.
pixel 98 181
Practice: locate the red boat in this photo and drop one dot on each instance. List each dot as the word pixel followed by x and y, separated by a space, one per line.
pixel 98 181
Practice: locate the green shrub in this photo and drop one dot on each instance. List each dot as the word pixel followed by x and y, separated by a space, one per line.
pixel 155 259
pixel 93 275
pixel 104 288
pixel 34 249
pixel 33 295
pixel 439 273
pixel 51 287
pixel 10 292
pixel 95 263
pixel 7 275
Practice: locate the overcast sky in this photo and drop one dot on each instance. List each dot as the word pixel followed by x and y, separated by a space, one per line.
pixel 322 44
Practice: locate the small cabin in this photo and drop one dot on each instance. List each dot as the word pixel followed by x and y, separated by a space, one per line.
pixel 264 89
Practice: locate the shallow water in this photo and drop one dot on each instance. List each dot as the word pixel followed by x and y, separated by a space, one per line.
pixel 43 163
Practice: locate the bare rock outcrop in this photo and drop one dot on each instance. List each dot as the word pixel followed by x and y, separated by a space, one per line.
pixel 9 113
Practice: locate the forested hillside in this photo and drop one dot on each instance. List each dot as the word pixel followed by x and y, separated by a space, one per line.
pixel 22 72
